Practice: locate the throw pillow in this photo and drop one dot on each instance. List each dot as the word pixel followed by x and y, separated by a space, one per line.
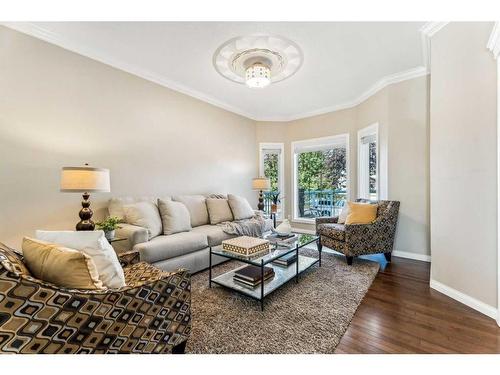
pixel 240 207
pixel 361 213
pixel 61 266
pixel 146 215
pixel 343 214
pixel 197 208
pixel 219 210
pixel 95 245
pixel 174 217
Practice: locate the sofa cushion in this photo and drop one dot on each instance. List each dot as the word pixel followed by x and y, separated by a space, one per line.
pixel 335 231
pixel 174 245
pixel 59 265
pixel 196 206
pixel 240 207
pixel 115 205
pixel 174 217
pixel 146 215
pixel 95 245
pixel 214 233
pixel 218 210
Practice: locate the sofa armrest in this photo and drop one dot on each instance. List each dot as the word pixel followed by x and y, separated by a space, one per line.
pixel 134 235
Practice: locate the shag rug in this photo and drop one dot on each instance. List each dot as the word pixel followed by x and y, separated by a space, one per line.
pixel 308 317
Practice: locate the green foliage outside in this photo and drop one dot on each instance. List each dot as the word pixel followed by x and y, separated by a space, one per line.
pixel 322 170
pixel 271 169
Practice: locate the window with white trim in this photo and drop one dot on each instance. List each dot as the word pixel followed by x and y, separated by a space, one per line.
pixel 320 177
pixel 368 176
pixel 272 166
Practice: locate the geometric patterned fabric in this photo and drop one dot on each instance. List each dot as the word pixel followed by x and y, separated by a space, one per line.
pixel 360 239
pixel 151 314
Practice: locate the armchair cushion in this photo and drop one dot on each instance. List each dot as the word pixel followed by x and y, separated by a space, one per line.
pixel 335 231
pixel 60 265
pixel 361 213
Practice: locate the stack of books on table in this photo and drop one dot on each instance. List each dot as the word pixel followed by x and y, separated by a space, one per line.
pixel 251 276
pixel 286 260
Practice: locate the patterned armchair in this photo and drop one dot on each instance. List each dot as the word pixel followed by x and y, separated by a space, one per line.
pixel 359 239
pixel 152 314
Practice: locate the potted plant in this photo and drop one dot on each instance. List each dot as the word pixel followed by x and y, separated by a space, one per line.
pixel 109 226
pixel 275 199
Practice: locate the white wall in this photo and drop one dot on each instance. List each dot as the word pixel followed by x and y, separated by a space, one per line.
pixel 58 109
pixel 463 162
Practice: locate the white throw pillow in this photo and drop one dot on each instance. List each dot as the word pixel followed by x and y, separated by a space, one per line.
pixel 174 217
pixel 343 214
pixel 240 207
pixel 95 245
pixel 146 215
pixel 219 210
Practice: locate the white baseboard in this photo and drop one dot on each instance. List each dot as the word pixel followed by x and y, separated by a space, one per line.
pixel 408 255
pixel 473 303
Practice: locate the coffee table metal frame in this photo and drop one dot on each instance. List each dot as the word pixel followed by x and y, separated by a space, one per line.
pixel 282 274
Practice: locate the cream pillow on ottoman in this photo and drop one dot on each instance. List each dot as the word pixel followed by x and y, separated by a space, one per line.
pixel 95 245
pixel 174 217
pixel 219 210
pixel 144 214
pixel 240 207
pixel 59 265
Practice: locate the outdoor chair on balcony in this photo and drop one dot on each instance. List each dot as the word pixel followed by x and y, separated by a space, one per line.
pixel 361 239
pixel 152 314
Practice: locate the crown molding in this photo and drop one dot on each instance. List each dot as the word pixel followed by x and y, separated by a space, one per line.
pixel 426 32
pixel 47 36
pixel 494 41
pixel 379 85
pixel 40 33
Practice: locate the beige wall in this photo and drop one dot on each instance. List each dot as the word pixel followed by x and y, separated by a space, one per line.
pixel 58 108
pixel 463 161
pixel 402 111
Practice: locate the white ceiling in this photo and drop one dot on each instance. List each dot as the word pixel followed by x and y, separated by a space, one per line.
pixel 344 62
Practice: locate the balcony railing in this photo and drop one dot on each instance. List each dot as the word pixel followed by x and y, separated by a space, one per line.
pixel 314 203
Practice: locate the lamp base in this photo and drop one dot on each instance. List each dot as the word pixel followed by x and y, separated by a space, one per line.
pixel 85 215
pixel 260 206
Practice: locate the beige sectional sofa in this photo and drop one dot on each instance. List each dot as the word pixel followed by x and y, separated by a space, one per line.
pixel 187 249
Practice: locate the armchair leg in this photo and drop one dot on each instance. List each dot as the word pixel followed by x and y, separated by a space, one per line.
pixel 388 257
pixel 349 260
pixel 179 349
pixel 319 244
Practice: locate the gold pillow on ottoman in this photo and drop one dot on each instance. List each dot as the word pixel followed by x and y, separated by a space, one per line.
pixel 361 213
pixel 60 265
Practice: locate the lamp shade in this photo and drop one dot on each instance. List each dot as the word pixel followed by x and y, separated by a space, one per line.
pixel 261 183
pixel 84 179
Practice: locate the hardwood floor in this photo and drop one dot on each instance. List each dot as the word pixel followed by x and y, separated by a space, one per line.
pixel 402 314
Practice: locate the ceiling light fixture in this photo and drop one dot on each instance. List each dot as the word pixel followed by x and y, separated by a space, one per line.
pixel 258 60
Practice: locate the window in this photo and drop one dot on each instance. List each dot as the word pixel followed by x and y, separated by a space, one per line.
pixel 320 177
pixel 368 171
pixel 272 167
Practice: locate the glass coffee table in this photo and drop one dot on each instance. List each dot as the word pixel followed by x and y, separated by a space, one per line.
pixel 281 274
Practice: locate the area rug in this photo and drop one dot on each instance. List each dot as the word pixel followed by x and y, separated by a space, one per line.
pixel 308 317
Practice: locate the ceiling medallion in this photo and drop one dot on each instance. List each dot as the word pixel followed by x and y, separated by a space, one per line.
pixel 258 60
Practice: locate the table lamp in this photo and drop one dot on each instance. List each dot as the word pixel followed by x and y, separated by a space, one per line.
pixel 85 180
pixel 260 184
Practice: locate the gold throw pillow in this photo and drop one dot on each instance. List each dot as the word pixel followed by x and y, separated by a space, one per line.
pixel 60 265
pixel 361 213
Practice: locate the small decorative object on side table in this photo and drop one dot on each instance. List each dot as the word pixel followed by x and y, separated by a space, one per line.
pixel 261 184
pixel 85 180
